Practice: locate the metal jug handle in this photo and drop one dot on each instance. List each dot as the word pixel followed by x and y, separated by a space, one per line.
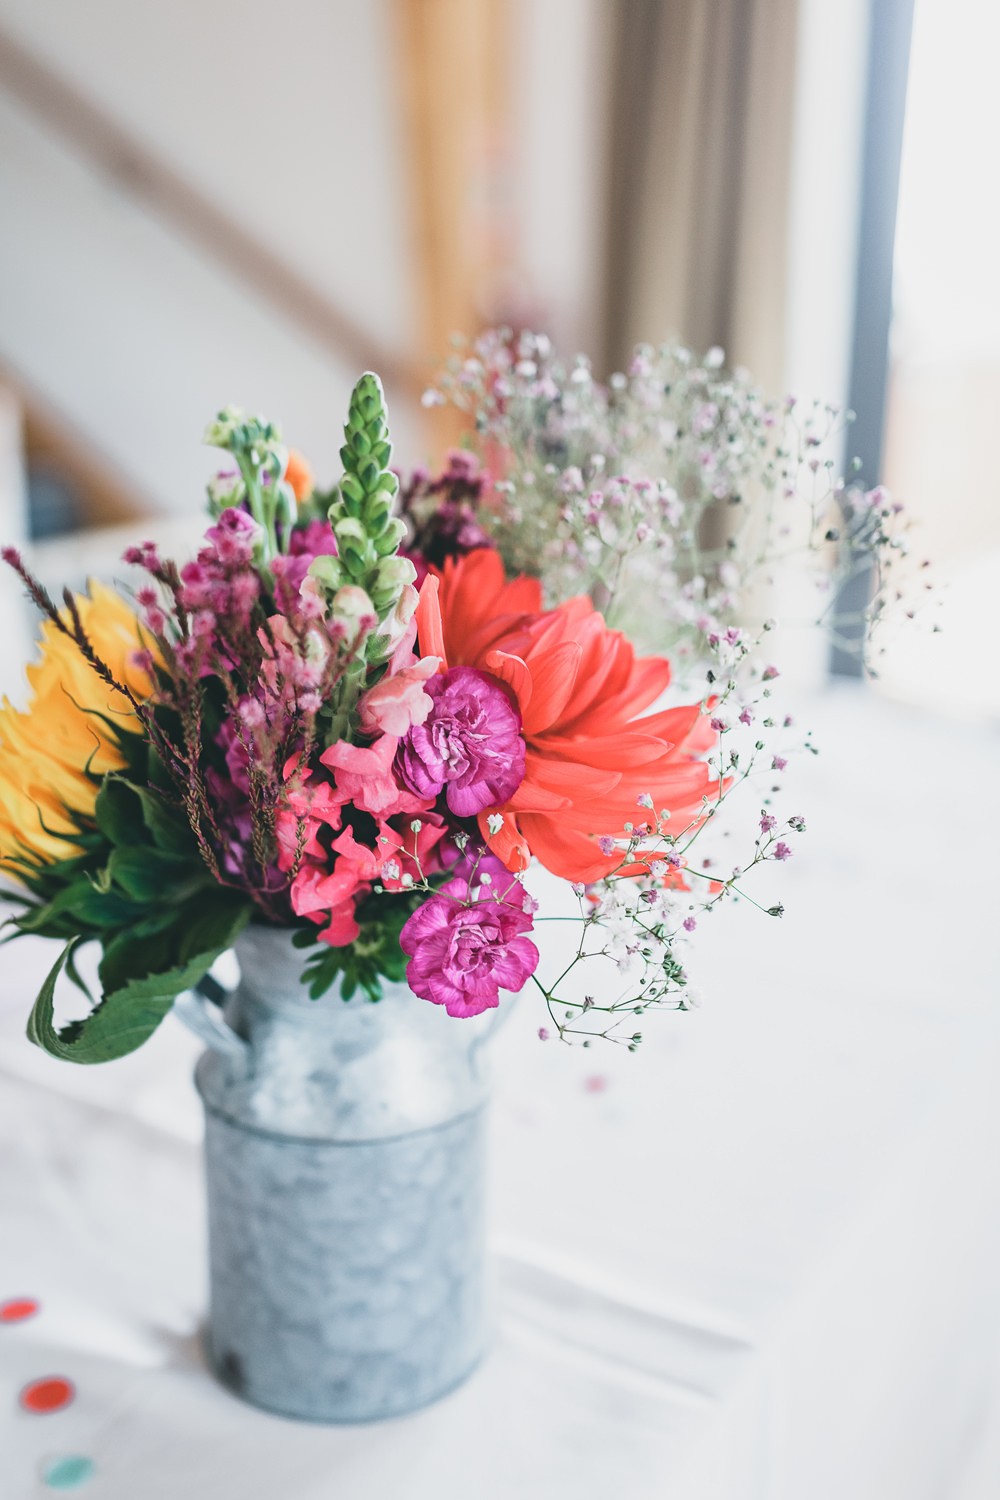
pixel 200 1009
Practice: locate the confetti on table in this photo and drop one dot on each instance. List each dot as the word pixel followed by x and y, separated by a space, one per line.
pixel 67 1472
pixel 16 1309
pixel 51 1393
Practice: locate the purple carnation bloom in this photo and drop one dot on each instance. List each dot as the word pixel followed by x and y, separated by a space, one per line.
pixel 470 745
pixel 464 950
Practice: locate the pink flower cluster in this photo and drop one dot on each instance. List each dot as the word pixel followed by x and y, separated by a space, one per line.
pixel 445 746
pixel 341 832
pixel 222 583
pixel 311 821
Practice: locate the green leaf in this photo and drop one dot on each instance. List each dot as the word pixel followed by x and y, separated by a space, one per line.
pixel 214 920
pixel 374 956
pixel 84 906
pixel 168 826
pixel 172 935
pixel 118 814
pixel 146 875
pixel 125 1017
pixel 134 952
pixel 129 814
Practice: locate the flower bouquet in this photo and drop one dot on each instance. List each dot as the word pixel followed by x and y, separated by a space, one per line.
pixel 341 739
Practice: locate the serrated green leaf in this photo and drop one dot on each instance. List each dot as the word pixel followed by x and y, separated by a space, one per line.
pixel 134 953
pixel 125 1017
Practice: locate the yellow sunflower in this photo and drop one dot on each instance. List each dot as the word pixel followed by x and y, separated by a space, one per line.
pixel 46 749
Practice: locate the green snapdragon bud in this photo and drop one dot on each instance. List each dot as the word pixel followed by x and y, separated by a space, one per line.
pixel 364 583
pixel 368 534
pixel 328 572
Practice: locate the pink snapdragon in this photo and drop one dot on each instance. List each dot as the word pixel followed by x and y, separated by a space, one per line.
pixel 365 777
pixel 310 804
pixel 294 664
pixel 394 705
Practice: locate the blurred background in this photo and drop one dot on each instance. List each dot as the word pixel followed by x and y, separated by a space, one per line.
pixel 220 203
pixel 233 201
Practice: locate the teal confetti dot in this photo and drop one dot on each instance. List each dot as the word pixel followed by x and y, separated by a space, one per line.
pixel 68 1472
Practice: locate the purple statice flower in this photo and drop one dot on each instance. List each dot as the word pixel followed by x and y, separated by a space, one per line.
pixel 470 745
pixel 466 944
pixel 782 850
pixel 230 793
pixel 226 590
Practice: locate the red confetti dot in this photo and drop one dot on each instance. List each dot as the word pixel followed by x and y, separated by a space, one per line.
pixel 17 1309
pixel 49 1394
pixel 595 1084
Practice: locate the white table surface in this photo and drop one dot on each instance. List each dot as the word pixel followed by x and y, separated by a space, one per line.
pixel 760 1262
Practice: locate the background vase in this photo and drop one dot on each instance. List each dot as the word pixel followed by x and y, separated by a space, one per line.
pixel 345 1153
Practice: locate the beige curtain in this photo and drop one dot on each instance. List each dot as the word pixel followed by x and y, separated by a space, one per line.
pixel 701 121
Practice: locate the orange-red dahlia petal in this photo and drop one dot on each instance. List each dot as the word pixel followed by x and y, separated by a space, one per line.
pixel 507 843
pixel 565 851
pixel 430 628
pixel 581 691
pixel 553 678
pixel 512 671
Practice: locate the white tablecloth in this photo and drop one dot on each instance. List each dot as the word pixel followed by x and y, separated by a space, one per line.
pixel 758 1260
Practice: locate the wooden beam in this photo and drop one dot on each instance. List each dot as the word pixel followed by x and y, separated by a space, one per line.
pixel 454 70
pixel 138 171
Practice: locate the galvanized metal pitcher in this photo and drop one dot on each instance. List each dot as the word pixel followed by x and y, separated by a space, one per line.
pixel 346 1171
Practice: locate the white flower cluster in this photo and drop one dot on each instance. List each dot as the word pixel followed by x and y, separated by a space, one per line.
pixel 671 493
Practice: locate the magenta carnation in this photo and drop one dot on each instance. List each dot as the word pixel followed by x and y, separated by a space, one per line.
pixel 465 948
pixel 469 746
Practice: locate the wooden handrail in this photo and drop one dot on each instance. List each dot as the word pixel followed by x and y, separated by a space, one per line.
pixel 113 151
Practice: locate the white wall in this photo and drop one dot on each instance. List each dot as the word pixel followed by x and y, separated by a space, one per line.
pixel 288 120
pixel 285 115
pixel 132 331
